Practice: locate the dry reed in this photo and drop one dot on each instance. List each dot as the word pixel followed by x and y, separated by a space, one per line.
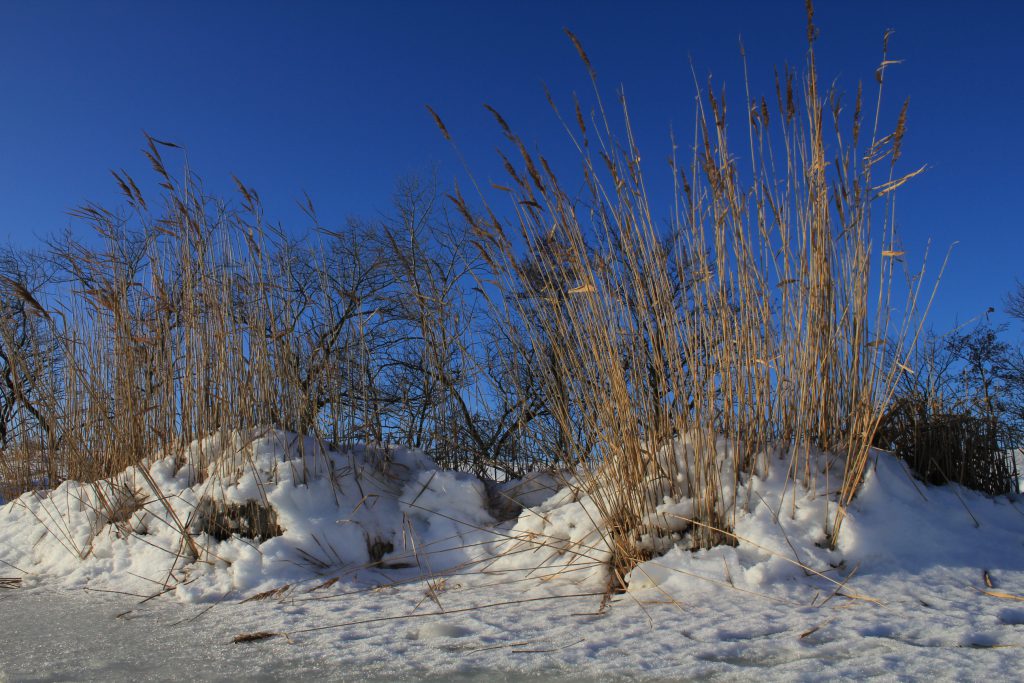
pixel 763 313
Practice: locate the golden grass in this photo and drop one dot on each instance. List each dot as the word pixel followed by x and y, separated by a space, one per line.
pixel 763 312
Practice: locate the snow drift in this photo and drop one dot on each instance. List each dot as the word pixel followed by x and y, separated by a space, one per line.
pixel 269 509
pixel 273 511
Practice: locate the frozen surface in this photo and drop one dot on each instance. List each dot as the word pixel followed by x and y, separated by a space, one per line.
pixel 930 625
pixel 926 582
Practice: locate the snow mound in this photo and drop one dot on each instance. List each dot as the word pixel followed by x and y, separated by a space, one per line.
pixel 378 565
pixel 895 525
pixel 565 537
pixel 242 514
pixel 268 509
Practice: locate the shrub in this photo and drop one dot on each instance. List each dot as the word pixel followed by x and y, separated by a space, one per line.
pixel 957 414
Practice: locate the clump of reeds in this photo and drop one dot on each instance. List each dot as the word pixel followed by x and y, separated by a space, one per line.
pixel 186 315
pixel 221 520
pixel 762 312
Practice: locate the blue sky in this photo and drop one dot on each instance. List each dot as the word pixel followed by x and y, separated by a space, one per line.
pixel 328 98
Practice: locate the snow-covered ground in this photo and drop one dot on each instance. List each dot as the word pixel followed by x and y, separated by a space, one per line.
pixel 390 569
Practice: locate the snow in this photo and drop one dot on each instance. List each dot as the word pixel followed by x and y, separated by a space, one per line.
pixel 389 568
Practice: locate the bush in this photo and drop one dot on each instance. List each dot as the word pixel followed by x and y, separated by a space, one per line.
pixel 950 447
pixel 957 414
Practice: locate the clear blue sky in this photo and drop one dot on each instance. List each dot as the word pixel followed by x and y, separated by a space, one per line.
pixel 327 98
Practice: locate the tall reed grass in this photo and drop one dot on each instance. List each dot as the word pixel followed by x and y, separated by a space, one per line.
pixel 762 312
pixel 182 315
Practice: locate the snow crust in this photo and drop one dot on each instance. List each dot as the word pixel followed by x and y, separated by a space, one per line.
pixel 387 566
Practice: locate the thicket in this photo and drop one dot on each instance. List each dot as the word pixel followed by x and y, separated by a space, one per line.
pixel 958 412
pixel 580 329
pixel 182 314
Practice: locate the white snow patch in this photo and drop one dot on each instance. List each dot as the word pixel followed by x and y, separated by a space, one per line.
pixel 921 583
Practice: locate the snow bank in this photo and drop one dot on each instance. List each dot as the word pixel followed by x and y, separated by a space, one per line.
pixel 377 564
pixel 243 513
pixel 325 510
pixel 895 525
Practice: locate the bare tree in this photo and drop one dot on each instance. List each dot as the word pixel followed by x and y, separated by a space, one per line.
pixel 30 368
pixel 1015 302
